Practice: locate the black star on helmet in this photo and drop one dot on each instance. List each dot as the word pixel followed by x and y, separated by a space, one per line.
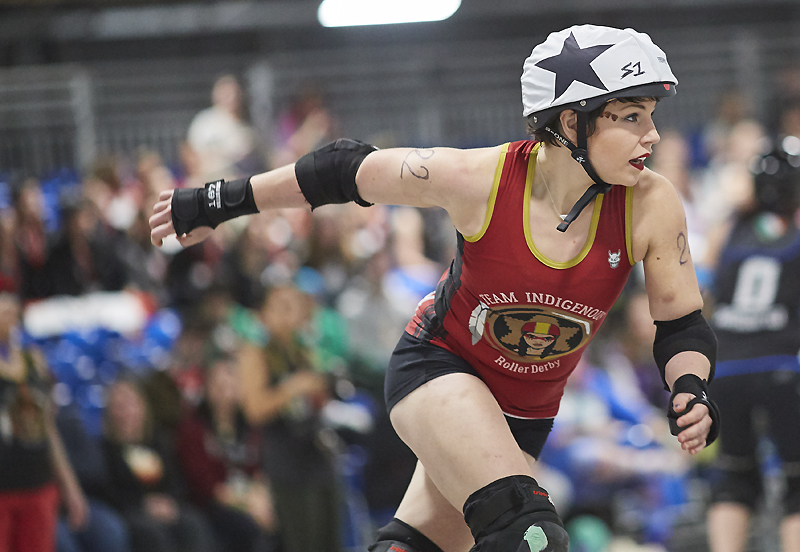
pixel 573 64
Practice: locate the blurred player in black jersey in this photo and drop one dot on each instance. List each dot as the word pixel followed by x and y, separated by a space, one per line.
pixel 757 295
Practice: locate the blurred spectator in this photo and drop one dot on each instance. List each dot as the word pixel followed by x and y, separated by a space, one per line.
pixel 786 105
pixel 145 266
pixel 244 263
pixel 271 246
pixel 84 259
pixel 105 530
pixel 190 163
pixel 629 349
pixel 327 331
pixel 731 109
pixel 727 185
pixel 116 200
pixel 304 126
pixel 413 275
pixel 672 160
pixel 284 394
pixel 34 468
pixel 154 177
pixel 788 80
pixel 191 271
pixel 789 121
pixel 32 242
pixel 9 269
pixel 342 240
pixel 757 293
pixel 220 456
pixel 327 251
pixel 180 386
pixel 374 319
pixel 144 483
pixel 610 442
pixel 439 235
pixel 225 143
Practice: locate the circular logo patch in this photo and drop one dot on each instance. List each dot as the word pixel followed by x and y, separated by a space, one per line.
pixel 527 333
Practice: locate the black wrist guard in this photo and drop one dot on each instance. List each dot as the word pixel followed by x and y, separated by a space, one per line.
pixel 212 205
pixel 690 383
pixel 328 175
pixel 687 333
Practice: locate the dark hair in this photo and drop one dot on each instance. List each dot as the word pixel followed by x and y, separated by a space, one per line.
pixel 541 135
pixel 130 379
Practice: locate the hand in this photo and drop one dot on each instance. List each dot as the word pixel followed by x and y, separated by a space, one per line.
pixel 697 423
pixel 306 383
pixel 224 494
pixel 162 507
pixel 260 507
pixel 77 508
pixel 161 224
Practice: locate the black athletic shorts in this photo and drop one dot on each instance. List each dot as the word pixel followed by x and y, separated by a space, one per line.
pixel 415 362
pixel 774 393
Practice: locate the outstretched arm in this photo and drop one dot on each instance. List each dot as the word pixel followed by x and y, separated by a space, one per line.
pixel 276 188
pixel 457 180
pixel 684 346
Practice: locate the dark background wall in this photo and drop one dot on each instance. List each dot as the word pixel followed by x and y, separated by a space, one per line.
pixel 79 78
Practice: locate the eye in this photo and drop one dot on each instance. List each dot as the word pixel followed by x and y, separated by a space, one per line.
pixel 633 117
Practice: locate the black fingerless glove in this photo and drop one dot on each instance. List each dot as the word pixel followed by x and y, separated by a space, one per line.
pixel 212 205
pixel 690 383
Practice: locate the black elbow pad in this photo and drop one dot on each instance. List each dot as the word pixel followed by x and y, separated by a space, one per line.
pixel 687 333
pixel 328 175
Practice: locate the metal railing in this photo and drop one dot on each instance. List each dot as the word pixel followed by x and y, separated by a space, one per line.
pixel 451 93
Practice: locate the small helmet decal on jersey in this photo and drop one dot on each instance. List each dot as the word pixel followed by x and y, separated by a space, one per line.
pixel 584 66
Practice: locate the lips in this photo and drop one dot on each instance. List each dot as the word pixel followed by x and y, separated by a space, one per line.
pixel 638 163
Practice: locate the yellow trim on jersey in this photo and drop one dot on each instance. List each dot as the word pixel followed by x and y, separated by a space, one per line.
pixel 629 224
pixel 526 220
pixel 498 173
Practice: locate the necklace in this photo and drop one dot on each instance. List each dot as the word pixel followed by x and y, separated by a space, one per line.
pixel 552 201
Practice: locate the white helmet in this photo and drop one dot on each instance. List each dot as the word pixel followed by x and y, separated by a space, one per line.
pixel 583 66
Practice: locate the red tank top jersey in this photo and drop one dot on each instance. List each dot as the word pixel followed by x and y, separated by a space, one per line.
pixel 520 319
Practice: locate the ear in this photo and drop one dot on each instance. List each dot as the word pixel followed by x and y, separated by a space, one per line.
pixel 569 125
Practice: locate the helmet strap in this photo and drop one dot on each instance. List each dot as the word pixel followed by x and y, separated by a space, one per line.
pixel 580 153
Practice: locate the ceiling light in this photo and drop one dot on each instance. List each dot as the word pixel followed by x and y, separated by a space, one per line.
pixel 345 13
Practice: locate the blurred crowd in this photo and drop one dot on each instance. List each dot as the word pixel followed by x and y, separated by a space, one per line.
pixel 245 412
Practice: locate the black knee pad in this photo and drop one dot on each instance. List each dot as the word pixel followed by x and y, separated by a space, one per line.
pixel 398 536
pixel 514 514
pixel 791 499
pixel 740 481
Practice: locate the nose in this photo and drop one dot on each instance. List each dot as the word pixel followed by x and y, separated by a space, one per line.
pixel 651 137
